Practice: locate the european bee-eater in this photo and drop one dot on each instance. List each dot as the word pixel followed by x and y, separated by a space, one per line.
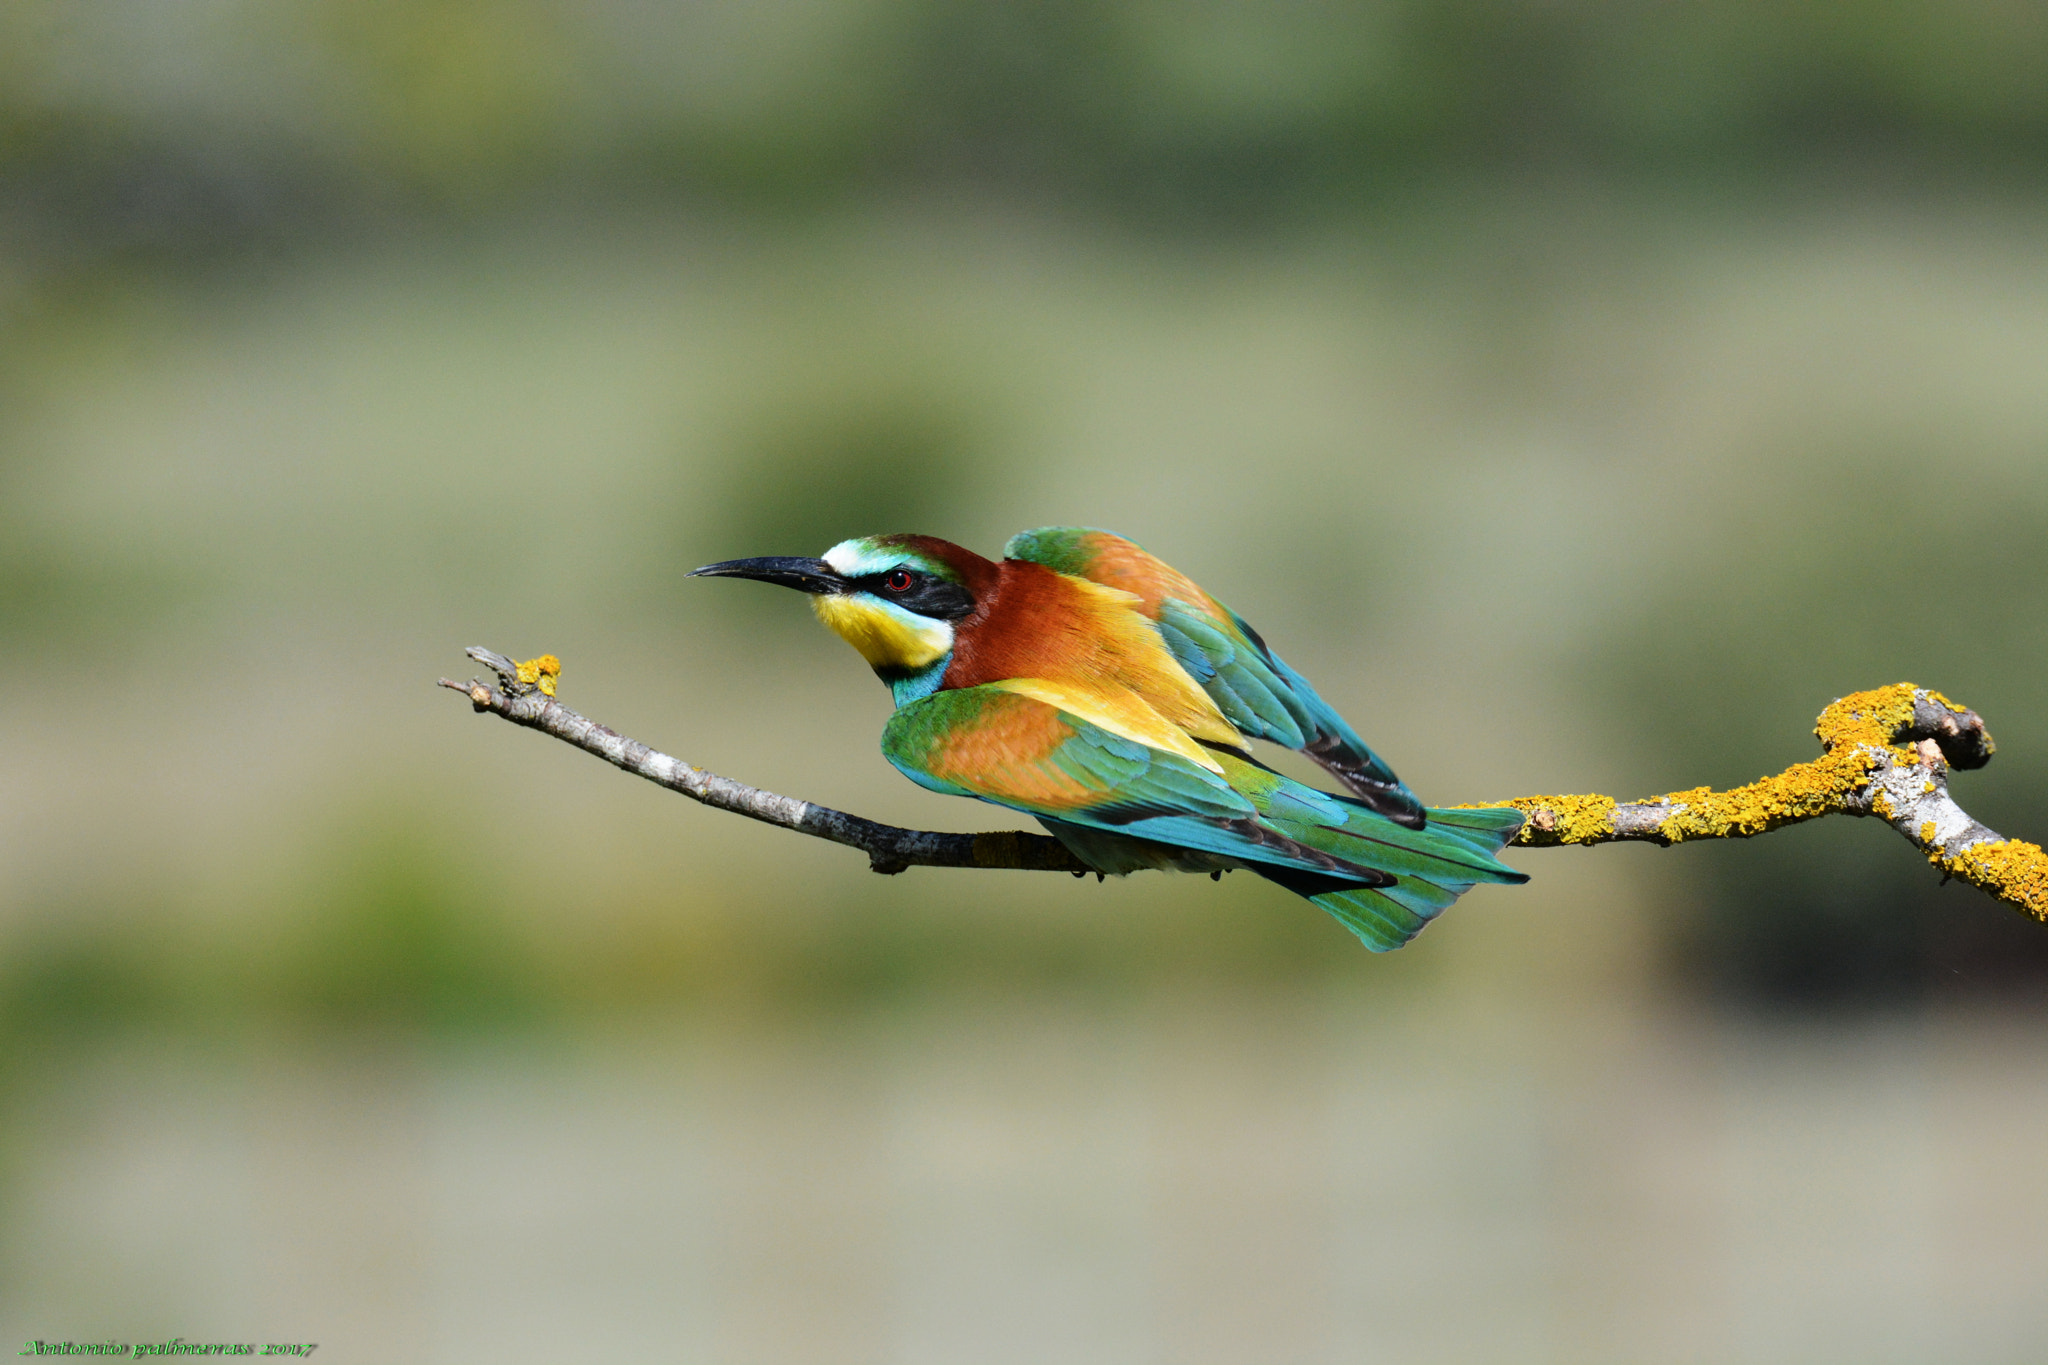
pixel 1087 684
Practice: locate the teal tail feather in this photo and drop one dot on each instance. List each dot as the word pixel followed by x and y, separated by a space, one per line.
pixel 1421 871
pixel 1381 879
pixel 1386 917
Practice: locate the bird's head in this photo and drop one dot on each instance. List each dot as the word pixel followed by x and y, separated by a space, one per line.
pixel 894 598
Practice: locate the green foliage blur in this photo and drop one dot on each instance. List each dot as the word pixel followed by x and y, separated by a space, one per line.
pixel 190 125
pixel 337 336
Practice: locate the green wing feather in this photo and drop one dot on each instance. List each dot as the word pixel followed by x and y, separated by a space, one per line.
pixel 1019 752
pixel 1253 687
pixel 1381 879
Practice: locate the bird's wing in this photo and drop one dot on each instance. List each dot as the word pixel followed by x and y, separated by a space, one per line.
pixel 1017 750
pixel 1253 687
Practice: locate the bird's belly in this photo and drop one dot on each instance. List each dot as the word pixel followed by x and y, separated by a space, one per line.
pixel 1120 854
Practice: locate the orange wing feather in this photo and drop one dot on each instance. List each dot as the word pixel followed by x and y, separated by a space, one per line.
pixel 1118 563
pixel 1007 747
pixel 1089 636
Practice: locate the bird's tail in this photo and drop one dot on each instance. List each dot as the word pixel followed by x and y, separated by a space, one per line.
pixel 1432 867
pixel 1408 876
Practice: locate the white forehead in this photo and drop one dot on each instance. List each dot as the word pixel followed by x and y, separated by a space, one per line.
pixel 857 558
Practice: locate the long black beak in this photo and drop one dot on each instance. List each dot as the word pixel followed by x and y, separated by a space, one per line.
pixel 805 575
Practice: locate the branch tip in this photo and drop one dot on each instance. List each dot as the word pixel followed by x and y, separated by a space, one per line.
pixel 506 670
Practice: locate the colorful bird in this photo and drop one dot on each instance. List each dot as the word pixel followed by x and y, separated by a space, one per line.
pixel 1085 683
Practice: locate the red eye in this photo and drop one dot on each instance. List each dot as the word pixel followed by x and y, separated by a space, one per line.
pixel 897 581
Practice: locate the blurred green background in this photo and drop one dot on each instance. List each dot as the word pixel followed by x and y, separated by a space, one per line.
pixel 1584 395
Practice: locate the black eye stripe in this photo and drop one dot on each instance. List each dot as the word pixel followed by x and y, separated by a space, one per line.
pixel 924 593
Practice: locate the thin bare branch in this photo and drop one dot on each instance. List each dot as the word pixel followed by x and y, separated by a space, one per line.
pixel 1886 752
pixel 525 696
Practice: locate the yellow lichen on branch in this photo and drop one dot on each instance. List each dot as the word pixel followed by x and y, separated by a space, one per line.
pixel 1803 791
pixel 1876 717
pixel 1562 819
pixel 1854 731
pixel 2011 869
pixel 1865 770
pixel 541 673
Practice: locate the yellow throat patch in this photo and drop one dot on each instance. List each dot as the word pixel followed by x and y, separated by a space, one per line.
pixel 887 637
